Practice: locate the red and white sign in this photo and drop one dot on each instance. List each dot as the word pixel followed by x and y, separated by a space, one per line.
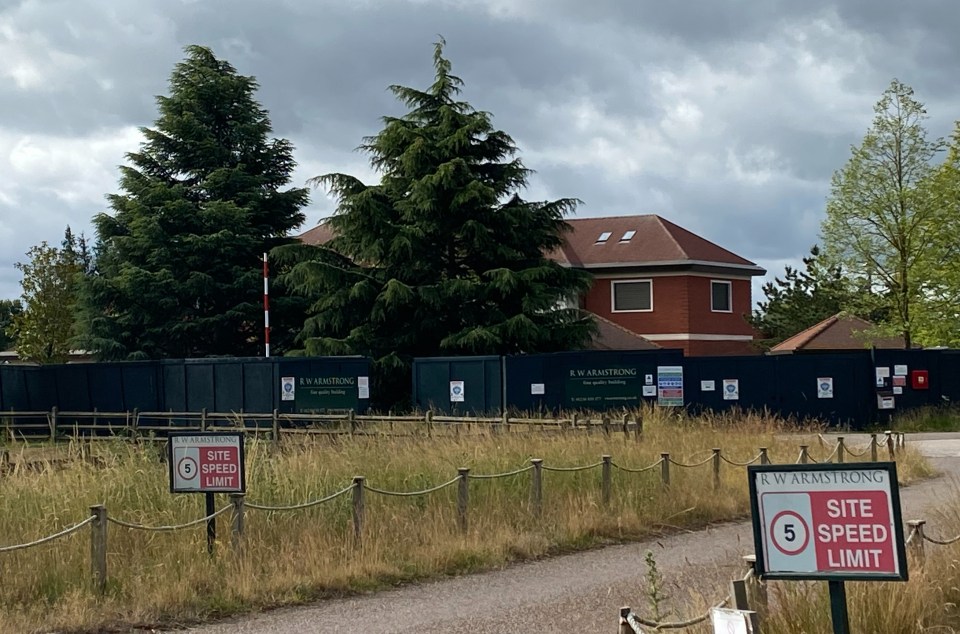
pixel 827 521
pixel 206 462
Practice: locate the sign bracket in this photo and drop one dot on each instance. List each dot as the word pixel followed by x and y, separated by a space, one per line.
pixel 211 522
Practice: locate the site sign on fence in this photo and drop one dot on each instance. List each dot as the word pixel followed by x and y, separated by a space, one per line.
pixel 830 522
pixel 206 462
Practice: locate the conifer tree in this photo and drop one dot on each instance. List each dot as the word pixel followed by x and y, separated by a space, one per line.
pixel 442 256
pixel 177 271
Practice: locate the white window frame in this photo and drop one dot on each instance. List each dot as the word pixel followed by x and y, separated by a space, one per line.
pixel 613 295
pixel 729 308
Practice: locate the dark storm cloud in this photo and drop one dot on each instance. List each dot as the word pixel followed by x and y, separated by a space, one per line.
pixel 726 117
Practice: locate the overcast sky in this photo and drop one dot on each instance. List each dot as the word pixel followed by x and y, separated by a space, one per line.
pixel 727 117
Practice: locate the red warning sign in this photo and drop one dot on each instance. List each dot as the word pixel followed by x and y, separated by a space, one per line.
pixel 207 462
pixel 827 521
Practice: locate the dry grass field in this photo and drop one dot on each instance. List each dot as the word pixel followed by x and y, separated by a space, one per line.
pixel 298 556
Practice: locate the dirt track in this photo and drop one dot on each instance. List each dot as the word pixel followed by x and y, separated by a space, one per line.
pixel 578 593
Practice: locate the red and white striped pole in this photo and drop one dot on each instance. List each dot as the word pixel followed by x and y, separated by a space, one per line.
pixel 266 307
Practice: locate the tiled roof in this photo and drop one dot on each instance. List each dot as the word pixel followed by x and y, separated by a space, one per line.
pixel 640 240
pixel 650 240
pixel 319 235
pixel 613 336
pixel 840 332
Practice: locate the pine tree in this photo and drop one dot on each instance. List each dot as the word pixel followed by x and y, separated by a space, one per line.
pixel 442 256
pixel 177 270
pixel 802 298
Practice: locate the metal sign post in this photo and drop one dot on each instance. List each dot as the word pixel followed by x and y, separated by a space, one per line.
pixel 208 463
pixel 829 522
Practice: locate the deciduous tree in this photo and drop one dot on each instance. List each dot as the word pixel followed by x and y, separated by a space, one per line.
pixel 45 327
pixel 884 220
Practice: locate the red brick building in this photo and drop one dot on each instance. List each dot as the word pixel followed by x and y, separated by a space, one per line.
pixel 655 279
pixel 664 283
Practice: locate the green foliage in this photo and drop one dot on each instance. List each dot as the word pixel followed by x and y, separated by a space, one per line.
pixel 442 256
pixel 802 298
pixel 942 288
pixel 44 328
pixel 656 595
pixel 9 308
pixel 177 271
pixel 884 219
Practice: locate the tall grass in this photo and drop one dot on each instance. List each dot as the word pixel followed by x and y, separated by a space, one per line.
pixel 299 556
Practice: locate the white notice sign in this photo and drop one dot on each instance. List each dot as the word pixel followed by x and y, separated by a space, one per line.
pixel 456 391
pixel 537 388
pixel 825 387
pixel 363 387
pixel 731 389
pixel 288 388
pixel 730 621
pixel 707 386
pixel 900 370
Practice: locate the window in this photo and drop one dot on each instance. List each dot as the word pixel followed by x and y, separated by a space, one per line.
pixel 603 237
pixel 632 296
pixel 628 235
pixel 720 297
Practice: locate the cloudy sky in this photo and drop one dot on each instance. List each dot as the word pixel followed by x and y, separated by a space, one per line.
pixel 727 117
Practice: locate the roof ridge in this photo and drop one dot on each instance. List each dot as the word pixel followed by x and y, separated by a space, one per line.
pixel 803 337
pixel 611 217
pixel 673 237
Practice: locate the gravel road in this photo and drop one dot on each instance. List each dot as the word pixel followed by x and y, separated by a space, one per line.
pixel 579 593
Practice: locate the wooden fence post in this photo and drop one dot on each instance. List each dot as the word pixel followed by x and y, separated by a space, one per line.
pixel 428 420
pixel 890 447
pixel 358 486
pixel 203 419
pixel 463 497
pixel 916 544
pixel 536 487
pixel 716 469
pixel 804 454
pixel 739 600
pixel 626 426
pixel 574 421
pixel 755 587
pixel 236 533
pixel 98 547
pixel 605 423
pixel 605 479
pixel 841 448
pixel 352 419
pixel 764 458
pixel 625 627
pixel 873 447
pixel 275 427
pixel 639 430
pixel 665 469
pixel 53 424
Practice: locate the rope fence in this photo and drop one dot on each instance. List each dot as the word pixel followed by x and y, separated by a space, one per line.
pixel 166 529
pixel 99 519
pixel 740 591
pixel 49 538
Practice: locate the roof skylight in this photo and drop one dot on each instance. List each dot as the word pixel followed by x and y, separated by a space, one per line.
pixel 628 235
pixel 604 236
